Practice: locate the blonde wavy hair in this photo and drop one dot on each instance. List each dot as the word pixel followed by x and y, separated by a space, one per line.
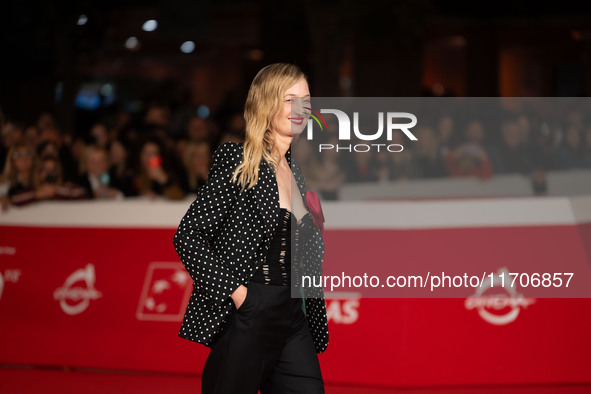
pixel 263 104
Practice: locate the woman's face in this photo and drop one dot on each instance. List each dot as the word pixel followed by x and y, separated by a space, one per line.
pixel 293 119
pixel 149 152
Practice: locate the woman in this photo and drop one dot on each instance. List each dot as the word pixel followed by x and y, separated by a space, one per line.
pixel 153 177
pixel 19 174
pixel 51 184
pixel 235 243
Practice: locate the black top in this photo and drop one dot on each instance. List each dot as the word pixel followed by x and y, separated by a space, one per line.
pixel 276 270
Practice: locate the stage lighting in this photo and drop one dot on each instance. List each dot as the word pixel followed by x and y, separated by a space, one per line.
pixel 150 25
pixel 82 19
pixel 187 47
pixel 132 43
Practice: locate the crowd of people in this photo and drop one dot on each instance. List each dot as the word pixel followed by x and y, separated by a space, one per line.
pixel 454 145
pixel 125 157
pixel 113 160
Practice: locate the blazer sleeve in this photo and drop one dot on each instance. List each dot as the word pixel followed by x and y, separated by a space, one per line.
pixel 202 222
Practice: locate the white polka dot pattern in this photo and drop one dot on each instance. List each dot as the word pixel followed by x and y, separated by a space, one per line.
pixel 223 239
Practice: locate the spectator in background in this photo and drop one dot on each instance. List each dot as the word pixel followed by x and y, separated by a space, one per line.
pixel 153 178
pixel 19 174
pixel 470 158
pixel 570 154
pixel 181 146
pixel 48 149
pixel 51 185
pixel 360 165
pixel 196 160
pixel 475 134
pixel 67 163
pixel 575 118
pixel 543 151
pixel 157 115
pixel 382 165
pixel 429 155
pixel 235 130
pixel 199 129
pixel 512 155
pixel 95 177
pixel 327 173
pixel 12 133
pixel 77 148
pixel 301 150
pixel 121 173
pixel 31 136
pixel 168 146
pixel 121 123
pixel 156 125
pixel 539 181
pixel 524 124
pixel 99 135
pixel 52 135
pixel 403 164
pixel 46 121
pixel 49 175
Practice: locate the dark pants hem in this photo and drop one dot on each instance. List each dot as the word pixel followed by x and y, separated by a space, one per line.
pixel 265 346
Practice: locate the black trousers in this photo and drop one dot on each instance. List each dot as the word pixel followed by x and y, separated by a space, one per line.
pixel 266 345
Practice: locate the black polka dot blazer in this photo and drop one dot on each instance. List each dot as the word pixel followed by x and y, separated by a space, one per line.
pixel 224 238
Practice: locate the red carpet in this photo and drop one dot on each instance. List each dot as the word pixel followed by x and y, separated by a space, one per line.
pixel 49 381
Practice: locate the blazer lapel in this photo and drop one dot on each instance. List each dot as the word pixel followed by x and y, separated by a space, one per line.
pixel 266 192
pixel 297 173
pixel 267 197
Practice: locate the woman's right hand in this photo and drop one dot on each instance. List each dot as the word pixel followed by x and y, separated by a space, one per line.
pixel 239 295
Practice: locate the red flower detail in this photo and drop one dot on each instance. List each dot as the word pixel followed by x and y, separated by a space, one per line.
pixel 313 204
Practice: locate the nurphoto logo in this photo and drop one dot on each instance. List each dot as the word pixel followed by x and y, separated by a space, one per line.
pixel 349 129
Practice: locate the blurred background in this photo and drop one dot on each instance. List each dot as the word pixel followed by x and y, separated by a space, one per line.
pixel 125 102
pixel 101 88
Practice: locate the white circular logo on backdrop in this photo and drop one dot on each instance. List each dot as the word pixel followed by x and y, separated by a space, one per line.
pixel 75 299
pixel 486 305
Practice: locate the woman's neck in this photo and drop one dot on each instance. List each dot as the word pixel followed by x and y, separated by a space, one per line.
pixel 281 146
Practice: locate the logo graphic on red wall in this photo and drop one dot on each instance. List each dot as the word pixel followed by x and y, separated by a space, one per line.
pixel 78 289
pixel 10 275
pixel 498 309
pixel 165 293
pixel 342 307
